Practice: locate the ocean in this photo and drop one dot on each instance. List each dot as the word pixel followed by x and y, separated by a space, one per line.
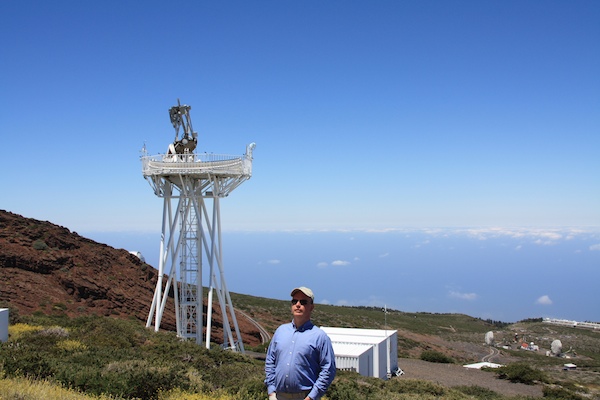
pixel 500 274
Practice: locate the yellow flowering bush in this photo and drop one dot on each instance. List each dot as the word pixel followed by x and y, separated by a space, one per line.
pixel 16 331
pixel 26 389
pixel 71 345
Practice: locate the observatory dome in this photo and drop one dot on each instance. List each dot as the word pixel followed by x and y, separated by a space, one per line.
pixel 138 255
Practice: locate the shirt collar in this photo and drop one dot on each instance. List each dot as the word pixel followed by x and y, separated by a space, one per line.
pixel 304 327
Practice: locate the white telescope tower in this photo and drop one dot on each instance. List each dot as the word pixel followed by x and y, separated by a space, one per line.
pixel 192 186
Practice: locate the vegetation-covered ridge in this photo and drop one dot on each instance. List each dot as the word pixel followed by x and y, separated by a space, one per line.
pixel 115 358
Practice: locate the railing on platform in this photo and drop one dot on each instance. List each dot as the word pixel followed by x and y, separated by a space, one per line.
pixel 164 164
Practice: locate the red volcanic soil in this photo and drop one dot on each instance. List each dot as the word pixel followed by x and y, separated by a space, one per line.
pixel 47 268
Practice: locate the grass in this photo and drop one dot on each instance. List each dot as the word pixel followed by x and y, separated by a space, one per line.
pixel 108 358
pixel 28 389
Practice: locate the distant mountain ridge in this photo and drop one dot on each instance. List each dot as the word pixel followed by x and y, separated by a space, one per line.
pixel 47 268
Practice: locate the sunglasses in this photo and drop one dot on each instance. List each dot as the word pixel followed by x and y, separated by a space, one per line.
pixel 302 302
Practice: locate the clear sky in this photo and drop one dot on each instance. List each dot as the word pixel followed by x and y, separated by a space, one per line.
pixel 369 116
pixel 366 114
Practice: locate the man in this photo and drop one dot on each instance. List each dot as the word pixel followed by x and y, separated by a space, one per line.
pixel 300 363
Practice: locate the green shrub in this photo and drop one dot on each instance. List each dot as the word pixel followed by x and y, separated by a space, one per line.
pixel 342 390
pixel 478 392
pixel 40 245
pixel 560 393
pixel 251 389
pixel 24 361
pixel 436 357
pixel 414 386
pixel 347 389
pixel 521 373
pixel 59 306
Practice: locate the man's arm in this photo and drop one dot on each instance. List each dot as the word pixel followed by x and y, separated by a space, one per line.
pixel 270 367
pixel 327 365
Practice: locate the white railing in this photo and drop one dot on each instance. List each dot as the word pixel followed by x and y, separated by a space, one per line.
pixel 164 164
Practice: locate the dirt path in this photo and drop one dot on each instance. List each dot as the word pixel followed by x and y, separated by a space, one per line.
pixel 450 375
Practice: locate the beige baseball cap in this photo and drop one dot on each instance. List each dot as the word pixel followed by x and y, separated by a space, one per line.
pixel 304 290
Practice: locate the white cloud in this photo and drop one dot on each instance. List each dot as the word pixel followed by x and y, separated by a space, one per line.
pixel 519 247
pixel 544 300
pixel 566 233
pixel 550 235
pixel 322 264
pixel 340 263
pixel 463 296
pixel 544 242
pixel 595 247
pixel 274 262
pixel 424 242
pixel 384 255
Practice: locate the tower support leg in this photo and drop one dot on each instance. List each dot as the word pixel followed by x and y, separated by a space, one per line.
pixel 191 235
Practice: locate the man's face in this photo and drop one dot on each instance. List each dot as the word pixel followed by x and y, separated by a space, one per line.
pixel 302 310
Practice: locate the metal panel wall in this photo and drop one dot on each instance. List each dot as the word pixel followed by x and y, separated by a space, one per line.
pixel 3 324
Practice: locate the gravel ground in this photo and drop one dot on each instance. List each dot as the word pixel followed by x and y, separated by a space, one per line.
pixel 449 375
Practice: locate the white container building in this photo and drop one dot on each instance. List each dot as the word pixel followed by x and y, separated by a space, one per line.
pixel 3 324
pixel 353 357
pixel 370 352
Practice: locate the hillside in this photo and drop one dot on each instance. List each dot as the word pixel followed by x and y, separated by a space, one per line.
pixel 47 268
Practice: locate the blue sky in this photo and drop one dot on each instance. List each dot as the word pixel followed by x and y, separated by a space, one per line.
pixel 379 115
pixel 365 114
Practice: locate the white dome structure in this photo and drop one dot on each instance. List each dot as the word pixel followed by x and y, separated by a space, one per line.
pixel 556 347
pixel 489 338
pixel 138 255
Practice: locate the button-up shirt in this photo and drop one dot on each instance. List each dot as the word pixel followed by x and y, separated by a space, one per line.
pixel 300 359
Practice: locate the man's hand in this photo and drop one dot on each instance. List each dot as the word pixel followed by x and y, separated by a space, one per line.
pixel 273 396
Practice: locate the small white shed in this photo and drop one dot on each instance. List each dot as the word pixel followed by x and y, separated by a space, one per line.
pixel 370 352
pixel 3 324
pixel 354 357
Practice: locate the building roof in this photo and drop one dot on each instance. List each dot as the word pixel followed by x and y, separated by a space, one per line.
pixel 358 336
pixel 359 331
pixel 349 350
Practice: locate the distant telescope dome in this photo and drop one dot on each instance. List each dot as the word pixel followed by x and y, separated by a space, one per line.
pixel 489 338
pixel 138 255
pixel 556 347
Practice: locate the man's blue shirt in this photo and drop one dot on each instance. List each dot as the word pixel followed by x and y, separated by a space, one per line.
pixel 300 359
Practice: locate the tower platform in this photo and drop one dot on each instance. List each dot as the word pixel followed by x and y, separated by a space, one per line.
pixel 229 170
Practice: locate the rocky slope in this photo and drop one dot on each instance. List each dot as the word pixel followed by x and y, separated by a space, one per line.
pixel 47 268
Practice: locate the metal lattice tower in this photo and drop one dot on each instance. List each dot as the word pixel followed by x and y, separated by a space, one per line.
pixel 191 186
